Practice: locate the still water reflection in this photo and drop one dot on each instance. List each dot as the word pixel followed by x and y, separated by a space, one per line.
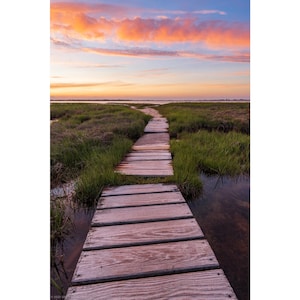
pixel 66 253
pixel 223 213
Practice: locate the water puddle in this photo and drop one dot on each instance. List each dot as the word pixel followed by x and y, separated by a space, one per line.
pixel 67 252
pixel 223 213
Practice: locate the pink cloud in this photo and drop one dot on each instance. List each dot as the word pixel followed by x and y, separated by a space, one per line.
pixel 79 20
pixel 148 52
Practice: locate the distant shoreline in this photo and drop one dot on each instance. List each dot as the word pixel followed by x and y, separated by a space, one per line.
pixel 150 101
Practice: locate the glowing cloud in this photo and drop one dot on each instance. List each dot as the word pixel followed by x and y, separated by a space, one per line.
pixel 73 20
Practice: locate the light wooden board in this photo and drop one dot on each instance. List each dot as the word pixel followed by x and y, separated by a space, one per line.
pixel 146 156
pixel 156 126
pixel 153 139
pixel 151 111
pixel 146 168
pixel 203 285
pixel 114 216
pixel 142 233
pixel 139 189
pixel 140 261
pixel 131 158
pixel 140 199
pixel 156 146
pixel 146 173
pixel 153 164
pixel 150 151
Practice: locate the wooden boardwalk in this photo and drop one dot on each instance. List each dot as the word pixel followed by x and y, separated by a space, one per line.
pixel 150 155
pixel 144 243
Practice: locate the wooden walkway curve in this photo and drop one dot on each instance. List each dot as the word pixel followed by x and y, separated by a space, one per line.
pixel 144 243
pixel 150 155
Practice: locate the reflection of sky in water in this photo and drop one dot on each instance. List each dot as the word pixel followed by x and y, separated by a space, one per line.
pixel 222 212
pixel 236 188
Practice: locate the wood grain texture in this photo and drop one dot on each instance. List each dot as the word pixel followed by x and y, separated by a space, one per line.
pixel 204 285
pixel 153 232
pixel 139 189
pixel 141 261
pixel 140 199
pixel 140 214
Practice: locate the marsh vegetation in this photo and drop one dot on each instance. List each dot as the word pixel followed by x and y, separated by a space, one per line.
pixel 89 140
pixel 213 138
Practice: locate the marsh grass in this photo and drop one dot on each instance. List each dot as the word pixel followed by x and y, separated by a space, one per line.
pixel 91 138
pixel 190 117
pixel 59 221
pixel 99 171
pixel 87 142
pixel 207 137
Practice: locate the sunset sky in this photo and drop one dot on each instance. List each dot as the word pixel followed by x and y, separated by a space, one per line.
pixel 136 49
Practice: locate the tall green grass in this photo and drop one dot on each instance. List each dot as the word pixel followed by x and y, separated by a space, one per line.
pixel 223 117
pixel 211 153
pixel 99 171
pixel 91 139
pixel 207 137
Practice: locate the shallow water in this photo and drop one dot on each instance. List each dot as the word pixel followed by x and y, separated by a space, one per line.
pixel 68 251
pixel 223 213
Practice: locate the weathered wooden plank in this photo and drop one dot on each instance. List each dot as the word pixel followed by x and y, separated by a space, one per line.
pixel 149 154
pixel 142 233
pixel 151 147
pixel 156 126
pixel 136 155
pixel 139 166
pixel 150 151
pixel 147 173
pixel 139 189
pixel 140 261
pixel 153 152
pixel 153 138
pixel 208 285
pixel 152 164
pixel 114 216
pixel 140 199
pixel 155 129
pixel 151 111
pixel 131 158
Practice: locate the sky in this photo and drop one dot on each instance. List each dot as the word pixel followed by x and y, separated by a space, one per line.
pixel 162 50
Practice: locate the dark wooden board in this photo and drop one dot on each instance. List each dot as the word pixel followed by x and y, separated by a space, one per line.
pixel 141 261
pixel 140 199
pixel 142 233
pixel 127 215
pixel 202 285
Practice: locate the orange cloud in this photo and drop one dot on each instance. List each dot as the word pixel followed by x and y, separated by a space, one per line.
pixel 213 33
pixel 75 20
